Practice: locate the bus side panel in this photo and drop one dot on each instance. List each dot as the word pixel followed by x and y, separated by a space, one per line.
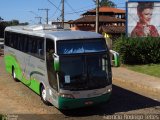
pixel 8 63
pixel 35 86
pixel 20 63
pixel 36 73
pixel 36 77
pixel 32 82
pixel 10 60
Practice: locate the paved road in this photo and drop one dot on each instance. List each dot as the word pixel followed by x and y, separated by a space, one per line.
pixel 19 100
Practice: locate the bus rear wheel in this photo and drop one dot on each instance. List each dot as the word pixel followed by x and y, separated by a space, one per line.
pixel 44 95
pixel 14 75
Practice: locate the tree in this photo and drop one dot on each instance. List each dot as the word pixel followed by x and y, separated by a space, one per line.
pixel 14 22
pixel 26 23
pixel 107 3
pixel 1 19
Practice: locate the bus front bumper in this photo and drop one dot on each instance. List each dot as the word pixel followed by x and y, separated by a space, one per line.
pixel 72 103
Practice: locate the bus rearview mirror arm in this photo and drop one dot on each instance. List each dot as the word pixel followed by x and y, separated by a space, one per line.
pixel 56 62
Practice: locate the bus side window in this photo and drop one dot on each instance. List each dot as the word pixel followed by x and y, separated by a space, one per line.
pixel 25 44
pixel 6 38
pixel 15 41
pixel 21 42
pixel 29 46
pixel 10 40
pixel 40 48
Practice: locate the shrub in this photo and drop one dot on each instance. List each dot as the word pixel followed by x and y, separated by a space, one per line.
pixel 138 50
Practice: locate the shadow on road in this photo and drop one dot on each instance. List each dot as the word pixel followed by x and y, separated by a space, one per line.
pixel 122 101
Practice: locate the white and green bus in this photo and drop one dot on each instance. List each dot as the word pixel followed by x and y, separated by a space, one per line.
pixel 68 69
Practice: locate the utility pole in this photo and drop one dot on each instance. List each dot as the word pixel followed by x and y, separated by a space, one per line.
pixel 46 9
pixel 97 16
pixel 40 19
pixel 62 13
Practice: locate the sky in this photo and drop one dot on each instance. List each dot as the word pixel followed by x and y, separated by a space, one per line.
pixel 27 10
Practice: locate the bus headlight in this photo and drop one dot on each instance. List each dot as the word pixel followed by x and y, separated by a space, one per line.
pixel 66 95
pixel 109 90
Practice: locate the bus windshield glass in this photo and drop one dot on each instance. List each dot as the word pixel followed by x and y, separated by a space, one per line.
pixel 81 46
pixel 84 72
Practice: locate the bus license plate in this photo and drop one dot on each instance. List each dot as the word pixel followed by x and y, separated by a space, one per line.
pixel 89 103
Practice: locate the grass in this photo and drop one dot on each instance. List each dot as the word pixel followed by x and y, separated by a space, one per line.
pixel 1 117
pixel 150 69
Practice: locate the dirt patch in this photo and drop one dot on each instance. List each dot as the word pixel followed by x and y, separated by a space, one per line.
pixel 16 98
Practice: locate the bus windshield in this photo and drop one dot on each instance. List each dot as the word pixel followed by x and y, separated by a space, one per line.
pixel 81 46
pixel 84 72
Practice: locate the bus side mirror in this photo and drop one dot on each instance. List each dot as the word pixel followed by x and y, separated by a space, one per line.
pixel 56 62
pixel 115 61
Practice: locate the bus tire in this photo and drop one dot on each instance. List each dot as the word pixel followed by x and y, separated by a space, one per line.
pixel 14 75
pixel 44 95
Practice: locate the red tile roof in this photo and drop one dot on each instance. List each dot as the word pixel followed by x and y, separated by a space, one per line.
pixel 92 19
pixel 106 29
pixel 106 9
pixel 83 28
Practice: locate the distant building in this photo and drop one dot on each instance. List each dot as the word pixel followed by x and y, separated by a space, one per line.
pixel 59 23
pixel 111 21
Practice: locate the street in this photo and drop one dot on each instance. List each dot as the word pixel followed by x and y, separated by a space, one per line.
pixel 19 100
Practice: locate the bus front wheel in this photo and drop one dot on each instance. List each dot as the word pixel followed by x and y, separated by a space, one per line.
pixel 44 95
pixel 14 75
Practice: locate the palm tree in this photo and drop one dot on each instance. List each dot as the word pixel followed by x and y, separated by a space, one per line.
pixel 107 3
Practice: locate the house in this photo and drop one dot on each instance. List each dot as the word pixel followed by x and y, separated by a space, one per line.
pixel 59 23
pixel 111 21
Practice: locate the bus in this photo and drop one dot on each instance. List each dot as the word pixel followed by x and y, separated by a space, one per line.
pixel 68 69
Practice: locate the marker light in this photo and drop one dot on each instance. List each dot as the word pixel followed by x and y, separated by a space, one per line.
pixel 66 95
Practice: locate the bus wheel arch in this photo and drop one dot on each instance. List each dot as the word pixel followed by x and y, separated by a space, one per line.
pixel 43 94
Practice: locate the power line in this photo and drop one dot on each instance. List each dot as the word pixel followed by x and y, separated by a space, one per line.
pixel 76 12
pixel 56 10
pixel 71 7
pixel 46 9
pixel 54 5
pixel 32 21
pixel 40 19
pixel 36 15
pixel 69 13
pixel 86 7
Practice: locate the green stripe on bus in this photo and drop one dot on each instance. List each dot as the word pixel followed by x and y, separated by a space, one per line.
pixel 116 60
pixel 10 61
pixel 35 86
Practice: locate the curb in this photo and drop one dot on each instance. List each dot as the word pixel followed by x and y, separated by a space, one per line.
pixel 122 82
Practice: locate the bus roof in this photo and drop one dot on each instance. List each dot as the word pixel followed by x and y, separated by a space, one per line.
pixel 52 32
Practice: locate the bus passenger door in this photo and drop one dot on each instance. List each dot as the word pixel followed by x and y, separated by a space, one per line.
pixel 52 77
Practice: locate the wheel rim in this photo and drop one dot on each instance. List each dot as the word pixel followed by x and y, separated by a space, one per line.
pixel 14 74
pixel 44 94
